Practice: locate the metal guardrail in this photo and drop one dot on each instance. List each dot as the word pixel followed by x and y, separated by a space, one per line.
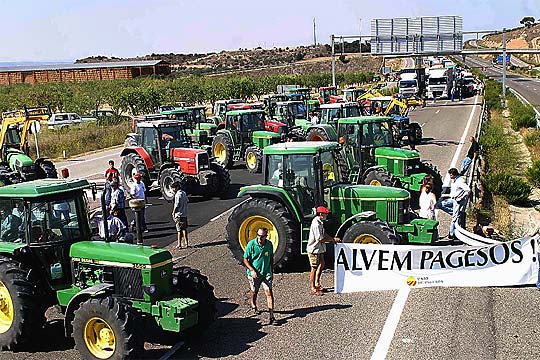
pixel 476 166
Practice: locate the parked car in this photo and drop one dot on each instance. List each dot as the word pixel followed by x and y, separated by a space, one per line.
pixel 63 120
pixel 105 117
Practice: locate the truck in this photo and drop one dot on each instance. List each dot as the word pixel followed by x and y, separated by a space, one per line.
pixel 419 74
pixel 408 84
pixel 437 83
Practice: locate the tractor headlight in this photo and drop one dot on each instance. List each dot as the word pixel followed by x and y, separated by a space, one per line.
pixel 175 280
pixel 150 289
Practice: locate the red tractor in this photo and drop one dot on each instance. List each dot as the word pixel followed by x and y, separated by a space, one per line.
pixel 161 152
pixel 328 95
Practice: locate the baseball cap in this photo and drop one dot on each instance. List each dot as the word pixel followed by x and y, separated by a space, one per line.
pixel 322 209
pixel 137 176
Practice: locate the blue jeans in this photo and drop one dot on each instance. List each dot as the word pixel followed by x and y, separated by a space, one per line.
pixel 456 209
pixel 465 165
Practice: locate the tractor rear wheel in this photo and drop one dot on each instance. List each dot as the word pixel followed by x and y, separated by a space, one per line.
pixel 223 150
pixel 194 285
pixel 415 133
pixel 166 179
pixel 254 159
pixel 255 213
pixel 104 329
pixel 134 164
pixel 130 141
pixel 378 178
pixel 46 169
pixel 316 134
pixel 21 310
pixel 224 179
pixel 371 232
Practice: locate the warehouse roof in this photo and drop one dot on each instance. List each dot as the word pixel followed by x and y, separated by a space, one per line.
pixel 116 64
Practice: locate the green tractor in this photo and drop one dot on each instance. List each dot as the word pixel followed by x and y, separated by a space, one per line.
pixel 114 296
pixel 243 137
pixel 294 115
pixel 199 132
pixel 371 157
pixel 298 176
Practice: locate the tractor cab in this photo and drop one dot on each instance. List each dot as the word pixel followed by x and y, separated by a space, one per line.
pixel 353 94
pixel 190 117
pixel 329 95
pixel 245 122
pixel 147 117
pixel 331 112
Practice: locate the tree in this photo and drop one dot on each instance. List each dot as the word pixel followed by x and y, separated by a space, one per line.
pixel 527 21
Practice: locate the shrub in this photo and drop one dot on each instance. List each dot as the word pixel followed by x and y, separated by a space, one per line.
pixel 533 138
pixel 496 146
pixel 513 189
pixel 493 92
pixel 533 173
pixel 522 116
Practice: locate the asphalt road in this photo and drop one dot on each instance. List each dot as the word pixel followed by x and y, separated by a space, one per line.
pixel 453 323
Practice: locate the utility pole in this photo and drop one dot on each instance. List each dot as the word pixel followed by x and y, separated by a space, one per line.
pixel 314 33
pixel 504 69
pixel 333 61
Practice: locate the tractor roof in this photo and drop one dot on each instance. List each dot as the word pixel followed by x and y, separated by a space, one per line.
pixel 197 107
pixel 281 103
pixel 364 119
pixel 175 111
pixel 339 105
pixel 160 123
pixel 243 112
pixel 44 187
pixel 307 147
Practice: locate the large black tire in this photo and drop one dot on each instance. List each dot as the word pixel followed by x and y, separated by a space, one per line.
pixel 223 150
pixel 415 133
pixel 224 179
pixel 261 212
pixel 437 178
pixel 297 134
pixel 46 169
pixel 91 315
pixel 253 159
pixel 131 164
pixel 130 141
pixel 316 134
pixel 378 177
pixel 194 285
pixel 166 179
pixel 8 176
pixel 371 232
pixel 21 309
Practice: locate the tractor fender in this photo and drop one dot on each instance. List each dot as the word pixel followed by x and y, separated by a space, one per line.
pixel 369 169
pixel 141 152
pixel 83 295
pixel 168 165
pixel 276 195
pixel 364 215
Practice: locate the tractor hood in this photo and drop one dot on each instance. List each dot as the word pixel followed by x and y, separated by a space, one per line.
pixel 265 135
pixel 178 154
pixel 396 153
pixel 18 159
pixel 367 192
pixel 110 253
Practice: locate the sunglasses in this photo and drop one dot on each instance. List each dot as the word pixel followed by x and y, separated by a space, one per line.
pixel 262 236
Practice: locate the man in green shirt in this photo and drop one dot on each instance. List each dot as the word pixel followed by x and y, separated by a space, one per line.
pixel 259 260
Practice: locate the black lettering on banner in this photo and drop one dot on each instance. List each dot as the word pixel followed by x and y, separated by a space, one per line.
pixel 382 259
pixel 354 258
pixel 396 263
pixel 459 258
pixel 516 249
pixel 482 254
pixel 342 259
pixel 438 259
pixel 367 264
pixel 493 256
pixel 468 254
pixel 426 255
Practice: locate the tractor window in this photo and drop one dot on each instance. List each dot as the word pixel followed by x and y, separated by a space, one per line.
pixel 275 170
pixel 13 221
pixel 253 122
pixel 353 111
pixel 174 136
pixel 13 136
pixel 297 109
pixel 376 135
pixel 330 169
pixel 300 180
pixel 54 221
pixel 148 138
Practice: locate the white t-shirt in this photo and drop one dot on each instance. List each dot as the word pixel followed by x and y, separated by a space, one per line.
pixel 316 235
pixel 138 190
pixel 427 205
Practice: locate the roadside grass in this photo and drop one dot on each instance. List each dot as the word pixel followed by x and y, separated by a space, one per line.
pixel 78 140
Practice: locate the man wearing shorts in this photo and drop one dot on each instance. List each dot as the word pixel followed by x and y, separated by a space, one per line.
pixel 179 214
pixel 316 248
pixel 259 260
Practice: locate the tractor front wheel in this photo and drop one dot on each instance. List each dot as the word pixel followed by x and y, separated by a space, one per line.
pixel 104 329
pixel 224 179
pixel 223 150
pixel 371 232
pixel 378 178
pixel 316 134
pixel 21 311
pixel 134 164
pixel 166 179
pixel 254 159
pixel 255 213
pixel 46 169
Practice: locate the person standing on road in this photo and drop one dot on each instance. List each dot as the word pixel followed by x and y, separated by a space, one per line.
pixel 316 248
pixel 107 189
pixel 179 214
pixel 118 202
pixel 456 204
pixel 138 191
pixel 259 260
pixel 112 170
pixel 428 202
pixel 471 155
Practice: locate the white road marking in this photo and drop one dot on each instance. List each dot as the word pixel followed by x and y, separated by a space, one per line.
pixel 445 103
pixel 171 352
pixel 436 112
pixel 392 321
pixel 226 211
pixel 390 325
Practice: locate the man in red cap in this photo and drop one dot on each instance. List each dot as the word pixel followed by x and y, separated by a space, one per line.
pixel 316 248
pixel 138 191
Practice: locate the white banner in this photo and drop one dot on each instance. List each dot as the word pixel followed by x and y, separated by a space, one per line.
pixel 389 267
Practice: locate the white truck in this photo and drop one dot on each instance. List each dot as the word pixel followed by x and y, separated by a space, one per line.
pixel 408 84
pixel 437 83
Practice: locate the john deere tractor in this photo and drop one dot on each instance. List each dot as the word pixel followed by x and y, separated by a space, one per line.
pixel 199 130
pixel 17 165
pixel 298 176
pixel 114 296
pixel 371 156
pixel 243 137
pixel 161 152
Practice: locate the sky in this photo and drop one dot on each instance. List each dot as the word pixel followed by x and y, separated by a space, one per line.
pixel 53 30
